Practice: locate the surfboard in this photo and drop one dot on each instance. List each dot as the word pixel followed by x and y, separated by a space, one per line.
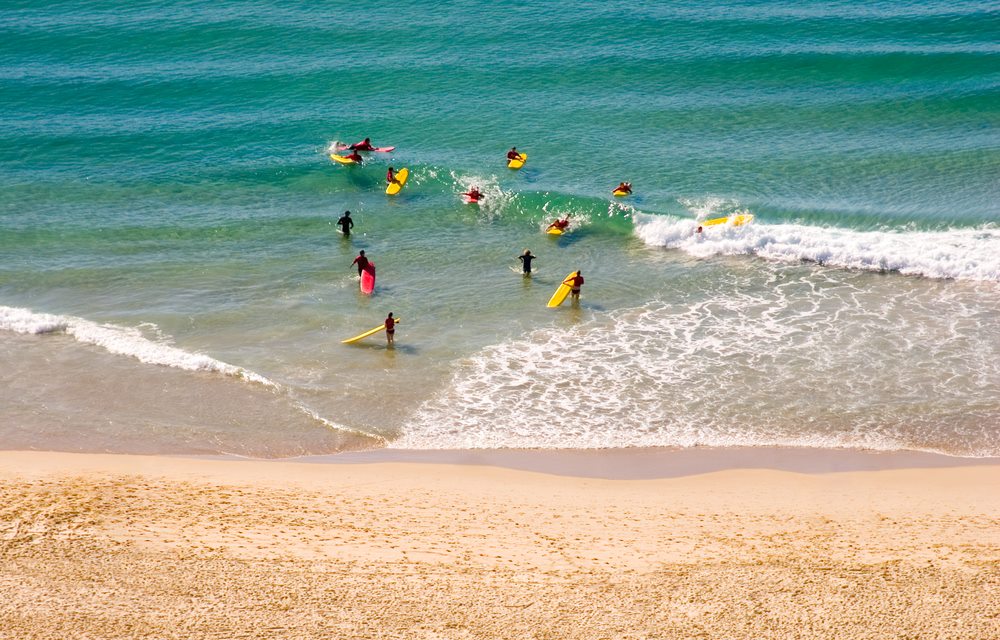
pixel 517 163
pixel 468 199
pixel 370 332
pixel 620 194
pixel 554 232
pixel 560 295
pixel 342 159
pixel 368 279
pixel 735 221
pixel 401 177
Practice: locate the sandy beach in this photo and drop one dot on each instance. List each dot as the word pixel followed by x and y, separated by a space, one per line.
pixel 101 546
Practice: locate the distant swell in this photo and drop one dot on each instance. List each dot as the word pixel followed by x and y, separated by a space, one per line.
pixel 960 254
pixel 125 341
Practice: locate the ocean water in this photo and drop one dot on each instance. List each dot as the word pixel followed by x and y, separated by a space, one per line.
pixel 171 278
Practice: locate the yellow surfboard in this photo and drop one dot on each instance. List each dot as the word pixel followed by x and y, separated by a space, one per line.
pixel 517 163
pixel 735 221
pixel 554 232
pixel 364 335
pixel 619 194
pixel 401 177
pixel 342 159
pixel 560 295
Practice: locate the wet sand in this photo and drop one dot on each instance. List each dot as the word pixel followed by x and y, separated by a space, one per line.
pixel 101 546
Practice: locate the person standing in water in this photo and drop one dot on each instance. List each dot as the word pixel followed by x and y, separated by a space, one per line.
pixel 361 261
pixel 346 224
pixel 526 259
pixel 390 329
pixel 575 282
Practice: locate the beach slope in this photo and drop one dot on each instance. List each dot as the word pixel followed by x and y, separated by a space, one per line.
pixel 97 546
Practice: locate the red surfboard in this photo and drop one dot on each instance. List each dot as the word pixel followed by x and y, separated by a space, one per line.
pixel 368 279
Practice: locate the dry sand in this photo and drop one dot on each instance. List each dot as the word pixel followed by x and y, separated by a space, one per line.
pixel 95 546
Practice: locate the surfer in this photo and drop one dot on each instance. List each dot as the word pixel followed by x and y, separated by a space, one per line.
pixel 473 194
pixel 355 156
pixel 623 186
pixel 559 224
pixel 526 259
pixel 575 282
pixel 390 329
pixel 361 261
pixel 390 176
pixel 346 224
pixel 364 145
pixel 513 154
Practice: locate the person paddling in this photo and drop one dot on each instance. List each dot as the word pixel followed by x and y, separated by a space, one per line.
pixel 625 187
pixel 355 157
pixel 361 261
pixel 513 154
pixel 473 194
pixel 346 224
pixel 561 225
pixel 364 145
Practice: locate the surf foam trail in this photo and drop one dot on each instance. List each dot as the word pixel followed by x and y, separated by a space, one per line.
pixel 959 254
pixel 125 341
pixel 794 365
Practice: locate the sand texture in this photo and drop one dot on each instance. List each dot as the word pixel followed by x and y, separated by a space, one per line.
pixel 96 546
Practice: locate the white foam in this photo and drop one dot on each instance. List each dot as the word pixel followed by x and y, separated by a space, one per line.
pixel 125 341
pixel 793 365
pixel 962 254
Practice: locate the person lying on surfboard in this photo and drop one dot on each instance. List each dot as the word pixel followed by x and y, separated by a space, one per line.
pixel 355 156
pixel 559 224
pixel 473 194
pixel 513 154
pixel 364 145
pixel 623 186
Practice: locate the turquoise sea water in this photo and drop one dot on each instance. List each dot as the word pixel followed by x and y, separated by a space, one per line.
pixel 171 279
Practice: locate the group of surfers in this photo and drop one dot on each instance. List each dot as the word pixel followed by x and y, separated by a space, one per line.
pixel 575 281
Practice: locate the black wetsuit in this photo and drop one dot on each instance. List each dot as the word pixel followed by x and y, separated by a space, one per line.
pixel 526 259
pixel 346 224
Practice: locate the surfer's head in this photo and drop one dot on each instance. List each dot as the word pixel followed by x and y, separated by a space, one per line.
pixel 361 253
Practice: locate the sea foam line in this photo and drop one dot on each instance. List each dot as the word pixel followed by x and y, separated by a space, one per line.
pixel 960 254
pixel 125 341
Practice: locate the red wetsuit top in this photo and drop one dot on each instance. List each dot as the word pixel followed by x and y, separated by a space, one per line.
pixel 560 224
pixel 624 187
pixel 575 282
pixel 390 324
pixel 354 155
pixel 361 261
pixel 389 176
pixel 513 155
pixel 362 146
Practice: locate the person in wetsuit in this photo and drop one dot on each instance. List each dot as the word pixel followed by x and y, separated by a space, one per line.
pixel 346 224
pixel 526 259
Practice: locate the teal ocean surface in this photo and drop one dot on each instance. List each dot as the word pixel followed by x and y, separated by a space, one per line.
pixel 172 279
